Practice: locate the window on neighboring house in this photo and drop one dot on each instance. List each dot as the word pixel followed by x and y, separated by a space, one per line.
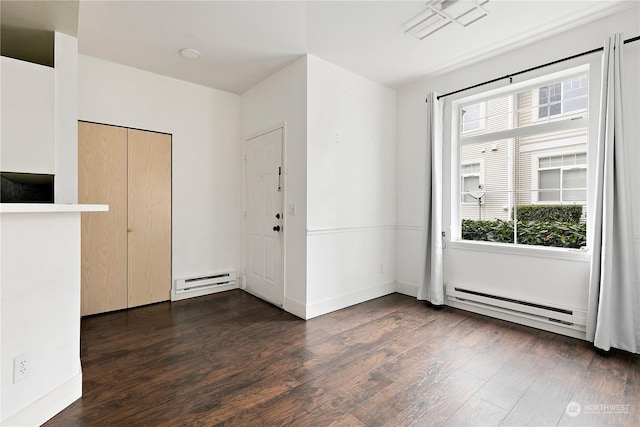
pixel 562 178
pixel 562 97
pixel 532 173
pixel 473 118
pixel 471 181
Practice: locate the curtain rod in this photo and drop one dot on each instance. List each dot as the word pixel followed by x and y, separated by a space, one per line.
pixel 508 76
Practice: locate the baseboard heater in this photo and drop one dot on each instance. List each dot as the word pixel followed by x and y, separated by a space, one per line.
pixel 214 280
pixel 530 313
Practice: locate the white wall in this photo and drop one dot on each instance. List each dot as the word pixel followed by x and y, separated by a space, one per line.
pixel 28 116
pixel 206 171
pixel 560 281
pixel 282 98
pixel 351 184
pixel 40 276
pixel 66 119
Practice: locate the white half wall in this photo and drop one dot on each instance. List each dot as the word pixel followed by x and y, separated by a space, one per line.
pixel 282 100
pixel 351 184
pixel 206 156
pixel 40 314
pixel 563 281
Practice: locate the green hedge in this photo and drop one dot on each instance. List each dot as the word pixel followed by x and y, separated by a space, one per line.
pixel 550 213
pixel 539 233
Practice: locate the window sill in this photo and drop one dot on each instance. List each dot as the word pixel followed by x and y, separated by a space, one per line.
pixel 523 250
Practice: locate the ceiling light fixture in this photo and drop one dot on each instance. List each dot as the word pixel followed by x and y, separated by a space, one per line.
pixel 189 53
pixel 440 13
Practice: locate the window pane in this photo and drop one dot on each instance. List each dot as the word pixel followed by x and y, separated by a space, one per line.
pixel 494 204
pixel 555 161
pixel 543 95
pixel 469 183
pixel 555 99
pixel 472 117
pixel 574 94
pixel 549 179
pixel 472 168
pixel 574 195
pixel 544 162
pixel 574 178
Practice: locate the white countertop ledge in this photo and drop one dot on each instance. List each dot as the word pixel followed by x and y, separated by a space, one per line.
pixel 49 207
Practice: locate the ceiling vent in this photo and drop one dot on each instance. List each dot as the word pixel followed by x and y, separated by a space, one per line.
pixel 440 13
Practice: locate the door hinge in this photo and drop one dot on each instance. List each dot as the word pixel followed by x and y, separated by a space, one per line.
pixel 245 159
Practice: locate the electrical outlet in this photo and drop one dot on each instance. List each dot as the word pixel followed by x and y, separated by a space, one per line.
pixel 21 367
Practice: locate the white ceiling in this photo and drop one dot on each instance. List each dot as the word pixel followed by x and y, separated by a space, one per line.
pixel 243 42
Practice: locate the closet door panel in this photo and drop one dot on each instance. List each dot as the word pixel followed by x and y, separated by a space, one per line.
pixel 102 179
pixel 149 217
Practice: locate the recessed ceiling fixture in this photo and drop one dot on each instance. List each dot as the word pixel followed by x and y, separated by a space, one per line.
pixel 440 13
pixel 189 53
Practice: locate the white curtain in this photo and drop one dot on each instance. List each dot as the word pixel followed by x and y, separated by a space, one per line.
pixel 614 306
pixel 432 286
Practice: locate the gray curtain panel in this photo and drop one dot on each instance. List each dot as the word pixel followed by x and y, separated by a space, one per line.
pixel 432 286
pixel 613 318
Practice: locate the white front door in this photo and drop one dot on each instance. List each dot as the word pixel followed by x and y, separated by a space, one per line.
pixel 264 179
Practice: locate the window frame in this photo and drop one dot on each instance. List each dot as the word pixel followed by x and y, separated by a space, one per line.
pixel 458 139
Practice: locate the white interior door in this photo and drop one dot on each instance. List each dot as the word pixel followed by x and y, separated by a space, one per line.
pixel 264 217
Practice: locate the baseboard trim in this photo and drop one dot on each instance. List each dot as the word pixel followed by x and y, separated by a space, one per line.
pixel 296 308
pixel 48 406
pixel 320 231
pixel 347 300
pixel 407 289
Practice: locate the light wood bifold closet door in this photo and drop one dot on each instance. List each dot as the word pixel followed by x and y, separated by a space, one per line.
pixel 102 179
pixel 149 217
pixel 126 252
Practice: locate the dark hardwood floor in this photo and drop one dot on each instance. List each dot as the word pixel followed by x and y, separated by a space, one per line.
pixel 231 359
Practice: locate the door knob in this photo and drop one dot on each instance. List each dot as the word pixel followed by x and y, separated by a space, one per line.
pixel 276 228
pixel 129 230
pixel 277 216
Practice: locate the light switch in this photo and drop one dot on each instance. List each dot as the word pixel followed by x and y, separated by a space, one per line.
pixel 292 209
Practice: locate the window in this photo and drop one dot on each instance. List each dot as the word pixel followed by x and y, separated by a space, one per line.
pixel 471 181
pixel 523 180
pixel 473 118
pixel 562 97
pixel 562 178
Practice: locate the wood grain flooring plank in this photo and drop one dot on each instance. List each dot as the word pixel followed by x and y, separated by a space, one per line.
pixel 347 420
pixel 476 413
pixel 545 401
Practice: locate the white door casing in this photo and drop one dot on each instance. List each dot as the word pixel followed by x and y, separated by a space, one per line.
pixel 264 231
